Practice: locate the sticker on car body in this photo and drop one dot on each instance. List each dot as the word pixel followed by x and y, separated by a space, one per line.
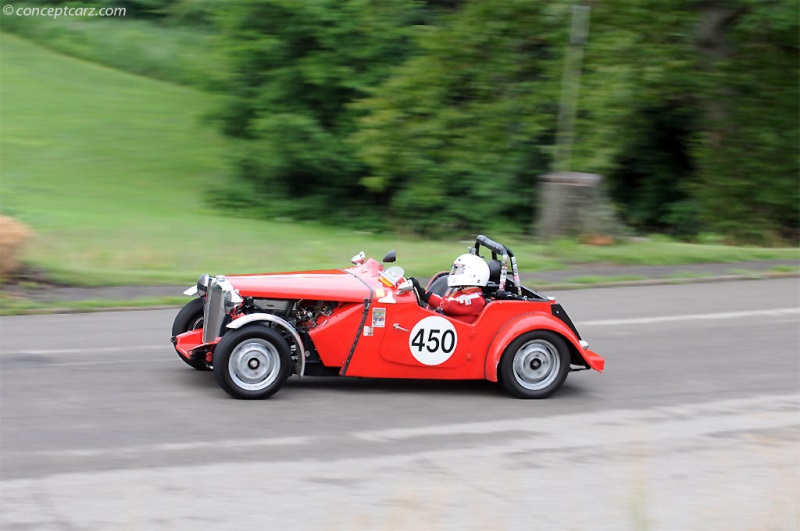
pixel 433 340
pixel 378 317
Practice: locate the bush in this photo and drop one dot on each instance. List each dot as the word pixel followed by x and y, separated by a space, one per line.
pixel 295 68
pixel 12 235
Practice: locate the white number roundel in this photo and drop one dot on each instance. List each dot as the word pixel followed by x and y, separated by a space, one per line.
pixel 433 340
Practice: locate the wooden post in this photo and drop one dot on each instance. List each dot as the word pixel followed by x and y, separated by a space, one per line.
pixel 572 204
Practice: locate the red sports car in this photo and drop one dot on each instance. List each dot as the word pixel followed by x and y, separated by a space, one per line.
pixel 254 331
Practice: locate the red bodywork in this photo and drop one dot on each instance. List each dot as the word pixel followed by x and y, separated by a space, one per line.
pixel 377 332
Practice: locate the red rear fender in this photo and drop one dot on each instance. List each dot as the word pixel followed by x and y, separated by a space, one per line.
pixel 527 323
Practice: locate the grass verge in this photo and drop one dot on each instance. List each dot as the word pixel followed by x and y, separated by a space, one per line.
pixel 10 305
pixel 662 251
pixel 785 269
pixel 591 280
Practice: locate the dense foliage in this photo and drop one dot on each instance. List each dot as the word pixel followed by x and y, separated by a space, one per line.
pixel 443 113
pixel 697 110
pixel 456 137
pixel 295 68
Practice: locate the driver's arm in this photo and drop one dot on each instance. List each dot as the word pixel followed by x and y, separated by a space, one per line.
pixel 423 295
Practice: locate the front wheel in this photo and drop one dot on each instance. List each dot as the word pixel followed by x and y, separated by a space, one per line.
pixel 252 362
pixel 535 365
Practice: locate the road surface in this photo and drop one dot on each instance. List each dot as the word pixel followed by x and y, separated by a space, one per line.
pixel 694 425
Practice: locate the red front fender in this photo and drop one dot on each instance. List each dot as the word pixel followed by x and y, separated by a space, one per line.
pixel 188 341
pixel 184 343
pixel 529 322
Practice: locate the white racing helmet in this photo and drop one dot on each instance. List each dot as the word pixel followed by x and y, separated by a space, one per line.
pixel 468 270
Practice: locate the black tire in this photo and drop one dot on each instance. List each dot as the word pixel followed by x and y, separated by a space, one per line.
pixel 535 365
pixel 190 318
pixel 253 362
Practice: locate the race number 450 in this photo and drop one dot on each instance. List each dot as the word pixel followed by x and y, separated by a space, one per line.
pixel 433 340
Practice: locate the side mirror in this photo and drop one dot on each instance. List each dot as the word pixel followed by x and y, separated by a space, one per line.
pixel 390 257
pixel 359 258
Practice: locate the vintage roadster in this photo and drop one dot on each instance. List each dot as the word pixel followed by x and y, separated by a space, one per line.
pixel 254 331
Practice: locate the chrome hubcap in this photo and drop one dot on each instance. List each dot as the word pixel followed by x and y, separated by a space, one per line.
pixel 254 365
pixel 536 364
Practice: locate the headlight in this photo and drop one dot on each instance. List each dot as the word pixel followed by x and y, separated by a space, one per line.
pixel 202 284
pixel 231 297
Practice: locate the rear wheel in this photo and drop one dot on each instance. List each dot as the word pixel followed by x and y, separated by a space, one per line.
pixel 190 318
pixel 252 363
pixel 535 365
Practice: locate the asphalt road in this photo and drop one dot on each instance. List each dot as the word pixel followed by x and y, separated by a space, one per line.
pixel 694 425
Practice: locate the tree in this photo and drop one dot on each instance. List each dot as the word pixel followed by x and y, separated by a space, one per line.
pixel 748 149
pixel 694 115
pixel 294 69
pixel 456 137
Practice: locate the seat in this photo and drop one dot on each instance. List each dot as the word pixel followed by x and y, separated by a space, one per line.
pixel 495 268
pixel 439 285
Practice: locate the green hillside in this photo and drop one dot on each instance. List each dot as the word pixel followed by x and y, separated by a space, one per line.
pixel 111 170
pixel 98 162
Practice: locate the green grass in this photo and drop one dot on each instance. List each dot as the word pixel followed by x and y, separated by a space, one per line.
pixel 111 170
pixel 18 305
pixel 662 251
pixel 743 272
pixel 596 279
pixel 785 269
pixel 184 55
pixel 678 275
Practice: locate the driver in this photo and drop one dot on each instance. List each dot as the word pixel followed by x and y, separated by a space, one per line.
pixel 464 300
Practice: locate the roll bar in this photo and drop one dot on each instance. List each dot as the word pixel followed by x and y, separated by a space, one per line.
pixel 506 256
pixel 496 248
